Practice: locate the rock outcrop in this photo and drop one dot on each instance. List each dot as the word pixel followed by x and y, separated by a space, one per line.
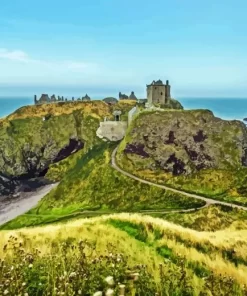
pixel 182 142
pixel 34 137
pixel 28 146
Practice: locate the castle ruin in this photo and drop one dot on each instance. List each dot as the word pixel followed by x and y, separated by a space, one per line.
pixel 158 93
pixel 125 97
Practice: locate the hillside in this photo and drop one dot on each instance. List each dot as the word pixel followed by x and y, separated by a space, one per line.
pixel 190 150
pixel 160 256
pixel 33 137
pixel 93 185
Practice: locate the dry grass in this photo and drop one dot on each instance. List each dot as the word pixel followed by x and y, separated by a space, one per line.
pixel 60 108
pixel 180 240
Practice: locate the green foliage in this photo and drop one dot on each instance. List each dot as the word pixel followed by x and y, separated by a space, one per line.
pixel 137 231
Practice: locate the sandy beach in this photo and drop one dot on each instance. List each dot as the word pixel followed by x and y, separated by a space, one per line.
pixel 11 208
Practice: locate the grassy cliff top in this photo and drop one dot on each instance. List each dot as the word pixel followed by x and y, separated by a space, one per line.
pixel 96 108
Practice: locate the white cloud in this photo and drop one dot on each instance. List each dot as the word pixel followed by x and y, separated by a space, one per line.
pixel 21 56
pixel 15 55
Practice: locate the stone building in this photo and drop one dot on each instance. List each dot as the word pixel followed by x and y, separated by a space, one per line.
pixel 125 97
pixel 117 114
pixel 132 96
pixel 53 98
pixel 86 98
pixel 158 93
pixel 122 96
pixel 43 99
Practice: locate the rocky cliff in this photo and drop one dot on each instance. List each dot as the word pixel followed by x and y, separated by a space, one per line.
pixel 182 142
pixel 33 137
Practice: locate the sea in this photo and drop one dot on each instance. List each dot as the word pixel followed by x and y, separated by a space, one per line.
pixel 225 108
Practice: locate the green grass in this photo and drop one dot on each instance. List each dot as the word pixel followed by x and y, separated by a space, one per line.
pixel 149 236
pixel 92 184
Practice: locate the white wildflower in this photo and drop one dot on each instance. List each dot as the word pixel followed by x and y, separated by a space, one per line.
pixel 72 274
pixel 99 293
pixel 109 292
pixel 30 265
pixel 109 280
pixel 5 292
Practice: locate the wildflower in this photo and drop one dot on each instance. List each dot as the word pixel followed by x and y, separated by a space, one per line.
pixel 5 292
pixel 99 293
pixel 109 292
pixel 26 294
pixel 72 274
pixel 80 292
pixel 109 280
pixel 30 265
pixel 135 276
pixel 23 284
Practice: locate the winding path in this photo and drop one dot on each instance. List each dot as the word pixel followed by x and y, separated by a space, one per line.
pixel 11 209
pixel 208 201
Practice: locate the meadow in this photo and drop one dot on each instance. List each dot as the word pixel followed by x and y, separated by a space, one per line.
pixel 139 254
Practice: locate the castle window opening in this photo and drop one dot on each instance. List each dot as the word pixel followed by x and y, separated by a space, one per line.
pixel 161 93
pixel 117 118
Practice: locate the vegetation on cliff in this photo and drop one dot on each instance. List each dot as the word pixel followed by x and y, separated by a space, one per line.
pixel 34 137
pixel 189 150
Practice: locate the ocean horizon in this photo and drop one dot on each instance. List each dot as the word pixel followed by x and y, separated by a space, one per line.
pixel 225 108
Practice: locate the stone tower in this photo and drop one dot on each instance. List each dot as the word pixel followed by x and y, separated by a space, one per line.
pixel 158 93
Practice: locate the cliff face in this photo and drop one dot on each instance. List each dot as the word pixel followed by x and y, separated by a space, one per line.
pixel 182 142
pixel 33 137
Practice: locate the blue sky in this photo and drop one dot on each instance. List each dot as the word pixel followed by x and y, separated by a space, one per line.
pixel 111 45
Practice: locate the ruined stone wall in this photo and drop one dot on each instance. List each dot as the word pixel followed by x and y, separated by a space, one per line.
pixel 112 130
pixel 132 113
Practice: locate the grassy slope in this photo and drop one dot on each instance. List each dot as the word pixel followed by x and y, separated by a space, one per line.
pixel 212 218
pixel 94 185
pixel 145 240
pixel 223 184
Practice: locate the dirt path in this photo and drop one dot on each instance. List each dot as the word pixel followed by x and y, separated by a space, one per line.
pixel 208 201
pixel 12 208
